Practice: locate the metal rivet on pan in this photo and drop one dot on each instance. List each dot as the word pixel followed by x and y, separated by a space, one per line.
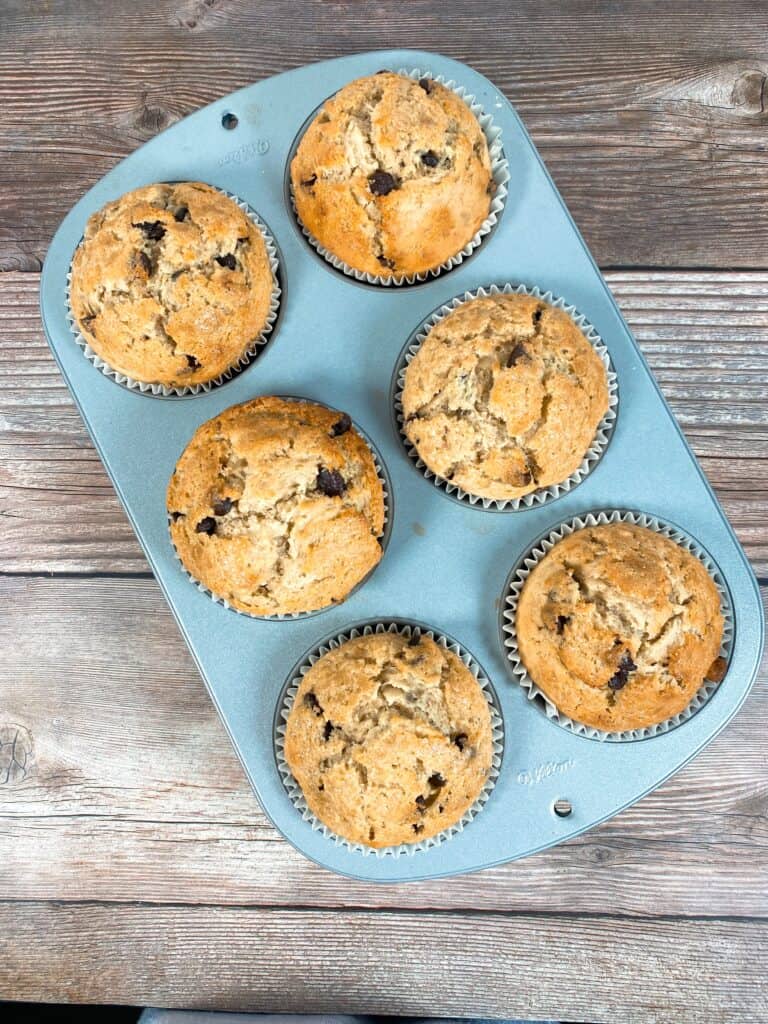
pixel 562 808
pixel 229 121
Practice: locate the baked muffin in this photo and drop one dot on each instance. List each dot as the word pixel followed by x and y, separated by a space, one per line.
pixel 390 739
pixel 393 176
pixel 620 626
pixel 504 396
pixel 276 506
pixel 171 284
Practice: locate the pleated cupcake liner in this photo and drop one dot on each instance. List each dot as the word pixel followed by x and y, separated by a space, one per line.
pixel 285 705
pixel 383 475
pixel 499 173
pixel 543 494
pixel 508 621
pixel 244 360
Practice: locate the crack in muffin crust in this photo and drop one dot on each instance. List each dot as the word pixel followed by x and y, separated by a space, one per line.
pixel 504 396
pixel 391 178
pixel 620 626
pixel 171 284
pixel 277 507
pixel 389 740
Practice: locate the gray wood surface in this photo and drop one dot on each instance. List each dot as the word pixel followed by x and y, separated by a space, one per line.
pixel 135 864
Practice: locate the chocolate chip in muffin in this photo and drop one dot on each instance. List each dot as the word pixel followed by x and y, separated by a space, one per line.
pixel 330 482
pixel 385 262
pixel 430 158
pixel 418 827
pixel 328 730
pixel 426 84
pixel 620 678
pixel 181 214
pixel 381 183
pixel 460 739
pixel 436 780
pixel 341 426
pixel 152 229
pixel 192 363
pixel 311 701
pixel 207 525
pixel 716 671
pixel 309 182
pixel 222 505
pixel 227 261
pixel 176 516
pixel 562 622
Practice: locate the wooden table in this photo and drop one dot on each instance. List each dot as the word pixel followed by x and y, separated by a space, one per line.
pixel 135 864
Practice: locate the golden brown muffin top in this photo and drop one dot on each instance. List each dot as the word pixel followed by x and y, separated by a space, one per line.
pixel 276 506
pixel 504 396
pixel 171 284
pixel 390 739
pixel 619 626
pixel 393 176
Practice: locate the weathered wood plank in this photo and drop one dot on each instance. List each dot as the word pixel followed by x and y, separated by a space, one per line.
pixel 132 791
pixel 705 335
pixel 651 116
pixel 595 969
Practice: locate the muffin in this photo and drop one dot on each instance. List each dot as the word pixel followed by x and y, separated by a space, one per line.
pixel 504 396
pixel 619 626
pixel 171 284
pixel 276 506
pixel 390 739
pixel 393 176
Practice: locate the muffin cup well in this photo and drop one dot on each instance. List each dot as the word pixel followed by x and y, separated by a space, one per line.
pixel 383 475
pixel 499 173
pixel 543 494
pixel 177 391
pixel 508 624
pixel 285 704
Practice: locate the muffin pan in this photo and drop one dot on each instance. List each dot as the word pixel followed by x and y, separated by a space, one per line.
pixel 338 341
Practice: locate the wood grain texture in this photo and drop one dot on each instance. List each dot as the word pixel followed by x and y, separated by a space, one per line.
pixel 705 335
pixel 133 792
pixel 595 969
pixel 651 117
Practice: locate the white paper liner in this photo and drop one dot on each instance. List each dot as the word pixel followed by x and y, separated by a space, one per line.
pixel 514 586
pixel 178 391
pixel 383 476
pixel 499 173
pixel 604 427
pixel 286 703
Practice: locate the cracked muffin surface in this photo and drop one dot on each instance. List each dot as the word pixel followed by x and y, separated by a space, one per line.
pixel 619 626
pixel 171 284
pixel 504 396
pixel 393 176
pixel 390 739
pixel 276 506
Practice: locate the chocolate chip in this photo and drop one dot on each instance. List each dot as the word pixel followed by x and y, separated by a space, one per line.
pixel 153 229
pixel 436 781
pixel 330 482
pixel 311 701
pixel 181 214
pixel 717 670
pixel 418 827
pixel 144 262
pixel 381 183
pixel 430 158
pixel 385 262
pixel 518 352
pixel 460 739
pixel 193 363
pixel 329 727
pixel 426 84
pixel 536 318
pixel 309 182
pixel 421 802
pixel 341 426
pixel 222 506
pixel 626 665
pixel 176 516
pixel 207 525
pixel 562 622
pixel 440 808
pixel 227 261
pixel 320 787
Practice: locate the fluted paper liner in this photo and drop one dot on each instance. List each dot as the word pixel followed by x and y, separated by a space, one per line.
pixel 286 703
pixel 514 586
pixel 178 391
pixel 383 476
pixel 604 427
pixel 499 174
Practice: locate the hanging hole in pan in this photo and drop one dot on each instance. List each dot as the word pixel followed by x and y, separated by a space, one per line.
pixel 229 121
pixel 562 808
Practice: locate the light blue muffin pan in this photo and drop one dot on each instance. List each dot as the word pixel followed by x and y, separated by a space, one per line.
pixel 337 341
